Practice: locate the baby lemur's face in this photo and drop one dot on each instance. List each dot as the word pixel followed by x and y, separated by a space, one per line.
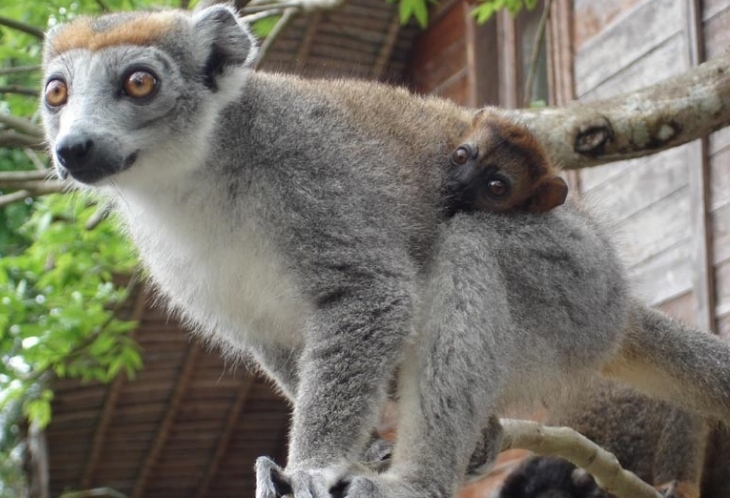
pixel 501 167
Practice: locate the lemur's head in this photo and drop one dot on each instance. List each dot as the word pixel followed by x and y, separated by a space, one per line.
pixel 501 167
pixel 139 91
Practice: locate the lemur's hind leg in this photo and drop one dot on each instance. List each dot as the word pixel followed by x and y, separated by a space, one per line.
pixel 667 359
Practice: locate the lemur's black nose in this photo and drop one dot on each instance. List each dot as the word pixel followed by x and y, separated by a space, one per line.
pixel 73 153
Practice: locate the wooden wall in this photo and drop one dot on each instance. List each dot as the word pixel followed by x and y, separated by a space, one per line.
pixel 716 31
pixel 620 46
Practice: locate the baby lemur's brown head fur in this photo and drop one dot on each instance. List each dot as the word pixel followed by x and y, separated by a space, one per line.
pixel 501 167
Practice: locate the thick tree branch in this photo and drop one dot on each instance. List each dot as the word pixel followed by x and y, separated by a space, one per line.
pixel 20 26
pixel 567 443
pixel 671 113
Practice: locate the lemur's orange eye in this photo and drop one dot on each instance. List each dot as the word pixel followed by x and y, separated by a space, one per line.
pixel 56 93
pixel 140 84
pixel 461 155
pixel 497 188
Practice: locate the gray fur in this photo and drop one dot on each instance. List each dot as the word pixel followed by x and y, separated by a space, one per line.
pixel 300 222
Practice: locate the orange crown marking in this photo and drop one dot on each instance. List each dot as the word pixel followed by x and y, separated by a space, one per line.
pixel 138 31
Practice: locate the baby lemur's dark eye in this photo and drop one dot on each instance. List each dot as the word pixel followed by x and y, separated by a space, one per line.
pixel 140 84
pixel 461 155
pixel 56 93
pixel 497 187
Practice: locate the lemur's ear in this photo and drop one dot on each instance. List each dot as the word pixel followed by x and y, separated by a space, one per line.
pixel 226 43
pixel 550 193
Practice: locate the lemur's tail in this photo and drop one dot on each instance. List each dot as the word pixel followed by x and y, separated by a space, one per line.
pixel 674 362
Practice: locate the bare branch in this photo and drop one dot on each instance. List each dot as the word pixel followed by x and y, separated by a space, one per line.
pixel 24 176
pixel 34 185
pixel 21 125
pixel 37 188
pixel 99 215
pixel 31 92
pixel 539 36
pixel 12 138
pixel 20 26
pixel 286 18
pixel 103 6
pixel 18 69
pixel 671 113
pixel 567 443
pixel 33 156
pixel 14 197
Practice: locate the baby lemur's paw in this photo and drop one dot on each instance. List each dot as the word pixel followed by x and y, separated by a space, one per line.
pixel 679 489
pixel 378 455
pixel 274 482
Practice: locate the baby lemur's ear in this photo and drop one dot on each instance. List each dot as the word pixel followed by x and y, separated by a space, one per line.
pixel 224 43
pixel 550 193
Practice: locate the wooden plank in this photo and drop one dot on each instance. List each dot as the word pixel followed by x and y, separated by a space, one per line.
pixel 629 193
pixel 656 229
pixel 110 403
pixel 592 17
pixel 637 33
pixel 719 141
pixel 171 413
pixel 713 8
pixel 386 48
pixel 508 89
pixel 481 59
pixel 441 67
pixel 664 277
pixel 717 33
pixel 234 414
pixel 657 65
pixel 699 190
pixel 681 308
pixel 721 234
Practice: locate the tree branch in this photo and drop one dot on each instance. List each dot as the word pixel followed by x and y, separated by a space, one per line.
pixel 678 110
pixel 567 443
pixel 11 138
pixel 18 69
pixel 539 35
pixel 31 92
pixel 286 18
pixel 22 125
pixel 20 26
pixel 38 188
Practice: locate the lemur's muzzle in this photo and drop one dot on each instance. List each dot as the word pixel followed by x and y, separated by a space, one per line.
pixel 89 158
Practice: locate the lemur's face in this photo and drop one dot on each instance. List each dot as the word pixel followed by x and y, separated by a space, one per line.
pixel 127 96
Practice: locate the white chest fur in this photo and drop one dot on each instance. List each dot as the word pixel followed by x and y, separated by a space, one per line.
pixel 224 276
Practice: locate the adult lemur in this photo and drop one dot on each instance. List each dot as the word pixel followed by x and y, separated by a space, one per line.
pixel 301 222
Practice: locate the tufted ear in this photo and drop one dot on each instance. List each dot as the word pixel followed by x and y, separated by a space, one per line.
pixel 226 43
pixel 550 193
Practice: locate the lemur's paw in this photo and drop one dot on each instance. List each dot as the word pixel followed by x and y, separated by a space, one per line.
pixel 679 489
pixel 274 482
pixel 271 481
pixel 378 455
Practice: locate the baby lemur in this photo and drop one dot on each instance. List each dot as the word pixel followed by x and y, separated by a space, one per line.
pixel 302 222
pixel 499 166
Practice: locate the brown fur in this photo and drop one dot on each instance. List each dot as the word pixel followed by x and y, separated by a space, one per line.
pixel 508 152
pixel 137 31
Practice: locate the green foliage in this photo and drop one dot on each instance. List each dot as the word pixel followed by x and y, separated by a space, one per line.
pixel 58 296
pixel 483 11
pixel 263 27
pixel 487 8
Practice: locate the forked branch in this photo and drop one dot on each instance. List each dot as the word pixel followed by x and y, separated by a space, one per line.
pixel 569 444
